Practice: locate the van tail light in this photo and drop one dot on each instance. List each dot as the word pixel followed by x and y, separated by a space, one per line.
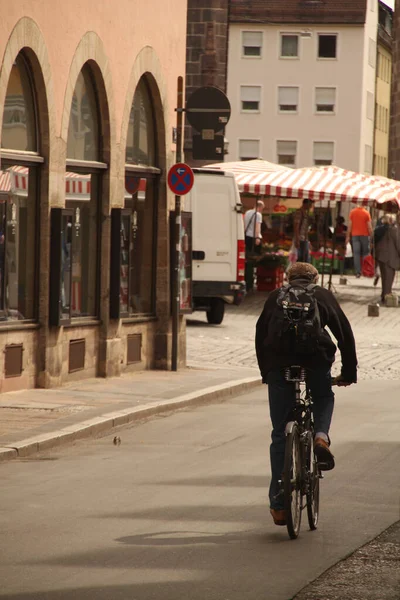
pixel 241 260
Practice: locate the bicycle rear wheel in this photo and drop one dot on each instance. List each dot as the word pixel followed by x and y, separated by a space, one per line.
pixel 292 482
pixel 313 484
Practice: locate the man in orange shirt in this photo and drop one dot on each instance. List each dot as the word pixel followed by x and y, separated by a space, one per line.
pixel 360 230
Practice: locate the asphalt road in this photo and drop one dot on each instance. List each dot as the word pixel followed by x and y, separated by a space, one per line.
pixel 179 510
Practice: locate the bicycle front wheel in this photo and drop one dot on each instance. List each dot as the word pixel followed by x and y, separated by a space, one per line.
pixel 292 482
pixel 312 484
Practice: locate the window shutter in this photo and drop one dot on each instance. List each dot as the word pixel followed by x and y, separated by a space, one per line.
pixel 250 93
pixel 249 148
pixel 252 39
pixel 323 151
pixel 288 98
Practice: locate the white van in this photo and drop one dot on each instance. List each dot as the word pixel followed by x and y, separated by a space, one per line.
pixel 218 242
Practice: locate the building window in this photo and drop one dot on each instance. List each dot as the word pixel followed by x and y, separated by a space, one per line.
pixel 325 100
pixel 368 159
pixel 286 153
pixel 370 106
pixel 289 45
pixel 372 53
pixel 323 153
pixel 250 96
pixel 249 149
pixel 327 46
pixel 80 222
pixel 288 99
pixel 83 132
pixel 138 232
pixel 252 43
pixel 18 198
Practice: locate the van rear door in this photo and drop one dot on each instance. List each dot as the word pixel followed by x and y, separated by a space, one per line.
pixel 215 227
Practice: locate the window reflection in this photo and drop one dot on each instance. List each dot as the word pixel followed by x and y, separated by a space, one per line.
pixel 140 143
pixel 138 227
pixel 83 139
pixel 17 243
pixel 79 246
pixel 18 129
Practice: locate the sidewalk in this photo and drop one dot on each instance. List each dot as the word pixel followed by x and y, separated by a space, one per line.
pixel 34 420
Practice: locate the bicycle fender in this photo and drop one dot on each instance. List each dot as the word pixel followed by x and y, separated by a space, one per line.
pixel 289 427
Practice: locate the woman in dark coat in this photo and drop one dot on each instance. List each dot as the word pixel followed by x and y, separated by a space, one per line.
pixel 387 254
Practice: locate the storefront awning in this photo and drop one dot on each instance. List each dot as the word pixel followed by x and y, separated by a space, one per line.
pixel 248 169
pixel 322 184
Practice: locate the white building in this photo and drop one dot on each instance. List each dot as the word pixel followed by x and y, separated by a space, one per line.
pixel 302 93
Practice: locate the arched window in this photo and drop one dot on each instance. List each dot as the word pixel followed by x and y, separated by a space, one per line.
pixel 138 221
pixel 18 198
pixel 78 223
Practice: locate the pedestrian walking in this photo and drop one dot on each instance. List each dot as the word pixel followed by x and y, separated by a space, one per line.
pixel 360 233
pixel 387 252
pixel 301 226
pixel 252 228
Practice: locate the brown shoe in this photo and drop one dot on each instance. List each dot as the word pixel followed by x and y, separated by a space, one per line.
pixel 278 516
pixel 325 458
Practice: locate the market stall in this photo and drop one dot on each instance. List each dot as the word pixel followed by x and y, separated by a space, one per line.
pixel 328 187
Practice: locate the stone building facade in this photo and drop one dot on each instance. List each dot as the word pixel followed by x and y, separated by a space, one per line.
pixel 206 53
pixel 394 138
pixel 86 142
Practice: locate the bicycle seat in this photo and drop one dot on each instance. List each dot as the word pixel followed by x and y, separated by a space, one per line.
pixel 295 373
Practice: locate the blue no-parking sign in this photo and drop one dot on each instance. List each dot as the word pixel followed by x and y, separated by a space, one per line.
pixel 180 179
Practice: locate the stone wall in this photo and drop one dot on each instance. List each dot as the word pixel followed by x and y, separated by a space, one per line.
pixel 206 53
pixel 394 138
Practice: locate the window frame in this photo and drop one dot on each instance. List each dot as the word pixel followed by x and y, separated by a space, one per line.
pixel 327 34
pixel 321 164
pixel 294 111
pixel 148 173
pixel 250 110
pixel 257 140
pixel 29 159
pixel 325 112
pixel 287 164
pixel 251 56
pixel 283 34
pixel 8 162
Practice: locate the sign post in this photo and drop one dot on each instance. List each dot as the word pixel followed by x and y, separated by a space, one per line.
pixel 180 181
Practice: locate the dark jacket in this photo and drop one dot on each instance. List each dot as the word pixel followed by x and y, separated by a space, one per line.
pixel 388 248
pixel 331 316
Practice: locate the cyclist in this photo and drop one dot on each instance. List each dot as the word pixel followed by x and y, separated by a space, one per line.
pixel 281 394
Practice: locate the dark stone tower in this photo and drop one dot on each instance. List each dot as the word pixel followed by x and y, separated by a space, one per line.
pixel 394 140
pixel 206 53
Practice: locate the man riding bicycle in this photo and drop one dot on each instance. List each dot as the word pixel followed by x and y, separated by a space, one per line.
pixel 315 351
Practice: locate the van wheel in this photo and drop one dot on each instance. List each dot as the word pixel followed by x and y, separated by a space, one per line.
pixel 215 314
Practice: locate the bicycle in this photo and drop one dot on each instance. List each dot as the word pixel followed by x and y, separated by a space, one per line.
pixel 301 472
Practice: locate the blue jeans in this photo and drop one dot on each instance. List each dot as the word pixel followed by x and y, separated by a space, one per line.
pixel 304 252
pixel 281 396
pixel 360 244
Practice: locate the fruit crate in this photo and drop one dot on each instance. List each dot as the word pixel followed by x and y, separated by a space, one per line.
pixel 269 279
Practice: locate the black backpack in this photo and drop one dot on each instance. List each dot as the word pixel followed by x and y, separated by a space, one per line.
pixel 295 325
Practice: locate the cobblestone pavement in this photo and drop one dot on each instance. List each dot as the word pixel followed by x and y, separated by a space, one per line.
pixel 232 343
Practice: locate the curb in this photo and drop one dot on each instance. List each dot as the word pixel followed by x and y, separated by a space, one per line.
pixel 109 421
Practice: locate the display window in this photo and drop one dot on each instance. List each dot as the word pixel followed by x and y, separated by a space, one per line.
pixel 19 176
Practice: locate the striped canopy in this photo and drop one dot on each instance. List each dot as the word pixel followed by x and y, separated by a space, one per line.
pixel 248 167
pixel 321 184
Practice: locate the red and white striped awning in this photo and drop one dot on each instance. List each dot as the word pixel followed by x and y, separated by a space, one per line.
pixel 250 168
pixel 321 184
